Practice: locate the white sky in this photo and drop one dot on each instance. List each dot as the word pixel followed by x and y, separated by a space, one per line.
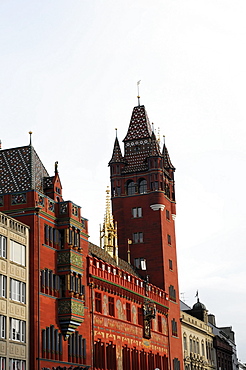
pixel 68 72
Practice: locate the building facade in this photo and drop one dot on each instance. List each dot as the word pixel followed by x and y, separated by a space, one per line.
pixel 198 337
pixel 113 307
pixel 59 328
pixel 144 207
pixel 14 297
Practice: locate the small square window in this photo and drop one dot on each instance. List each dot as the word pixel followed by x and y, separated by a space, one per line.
pixel 138 237
pixel 136 212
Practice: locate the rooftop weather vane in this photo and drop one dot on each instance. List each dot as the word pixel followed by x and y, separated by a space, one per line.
pixel 138 83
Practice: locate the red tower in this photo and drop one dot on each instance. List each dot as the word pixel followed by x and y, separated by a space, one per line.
pixel 143 204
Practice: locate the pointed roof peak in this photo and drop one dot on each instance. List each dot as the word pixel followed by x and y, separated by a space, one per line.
pixel 139 124
pixel 117 155
pixel 154 146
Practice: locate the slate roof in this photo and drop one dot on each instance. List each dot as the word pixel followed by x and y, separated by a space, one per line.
pixel 116 156
pixel 100 253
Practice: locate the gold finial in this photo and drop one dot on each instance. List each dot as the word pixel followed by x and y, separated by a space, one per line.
pixel 138 83
pixel 30 133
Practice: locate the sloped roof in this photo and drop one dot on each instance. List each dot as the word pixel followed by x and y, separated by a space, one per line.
pixel 100 253
pixel 117 155
pixel 21 170
pixel 139 127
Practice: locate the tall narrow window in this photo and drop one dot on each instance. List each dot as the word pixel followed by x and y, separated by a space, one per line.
pixel 174 328
pixel 128 311
pixel 3 286
pixel 98 302
pixel 159 323
pixel 111 306
pixel 170 265
pixel 3 246
pixel 172 293
pixel 130 188
pixel 16 364
pixel 142 186
pixel 2 327
pixel 169 239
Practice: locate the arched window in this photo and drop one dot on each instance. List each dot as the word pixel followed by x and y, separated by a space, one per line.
pixel 142 186
pixel 130 188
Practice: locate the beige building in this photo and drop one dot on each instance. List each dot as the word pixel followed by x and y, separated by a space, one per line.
pixel 197 337
pixel 14 252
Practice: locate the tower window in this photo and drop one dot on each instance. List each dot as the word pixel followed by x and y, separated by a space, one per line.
pixel 159 324
pixel 140 263
pixel 138 237
pixel 142 186
pixel 169 239
pixel 172 293
pixel 170 265
pixel 174 328
pixel 136 212
pixel 130 188
pixel 167 214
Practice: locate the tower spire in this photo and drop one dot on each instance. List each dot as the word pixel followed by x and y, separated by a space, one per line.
pixel 108 232
pixel 138 83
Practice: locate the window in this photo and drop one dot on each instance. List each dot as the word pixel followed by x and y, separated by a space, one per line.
pixel 174 328
pixel 167 214
pixel 3 244
pixel 17 330
pixel 169 239
pixel 138 237
pixel 170 264
pixel 52 343
pixel 17 291
pixel 203 353
pixel 17 364
pixel 111 306
pixel 191 346
pixel 98 301
pixel 140 263
pixel 140 316
pixel 2 327
pixel 76 348
pixel 176 364
pixel 2 363
pixel 136 212
pixel 3 286
pixel 172 293
pixel 130 188
pixel 142 186
pixel 128 311
pixel 17 253
pixel 185 342
pixel 159 323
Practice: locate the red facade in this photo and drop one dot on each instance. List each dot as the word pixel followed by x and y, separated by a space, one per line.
pixel 143 202
pixel 88 310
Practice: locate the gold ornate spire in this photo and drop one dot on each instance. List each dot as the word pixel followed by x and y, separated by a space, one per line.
pixel 108 232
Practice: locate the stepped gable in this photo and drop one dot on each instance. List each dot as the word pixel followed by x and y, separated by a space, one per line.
pixel 167 160
pixel 154 147
pixel 117 156
pixel 100 253
pixel 139 127
pixel 21 170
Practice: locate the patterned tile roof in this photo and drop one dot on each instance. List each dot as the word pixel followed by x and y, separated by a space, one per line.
pixel 139 127
pixel 21 170
pixel 154 147
pixel 167 160
pixel 117 156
